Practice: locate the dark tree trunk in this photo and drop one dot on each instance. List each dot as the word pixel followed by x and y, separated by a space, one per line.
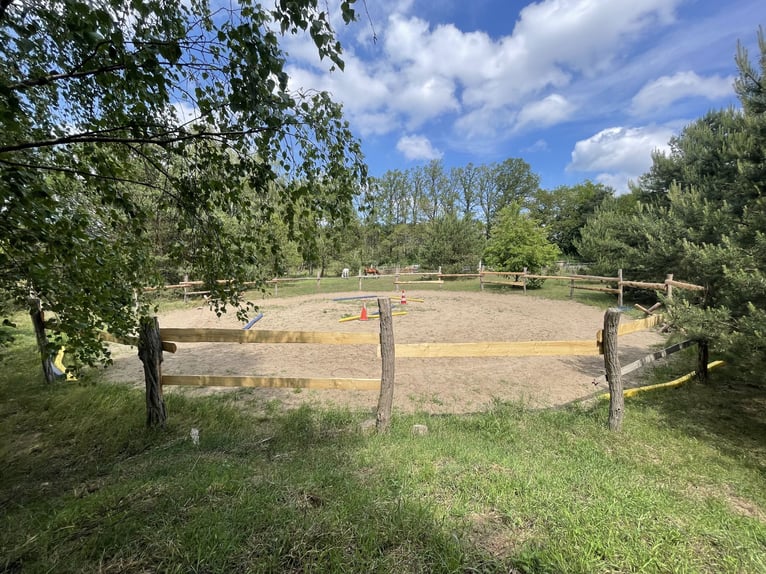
pixel 613 369
pixel 38 321
pixel 386 399
pixel 703 358
pixel 150 353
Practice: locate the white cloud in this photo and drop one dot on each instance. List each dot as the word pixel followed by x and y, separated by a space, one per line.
pixel 664 91
pixel 619 153
pixel 620 182
pixel 549 111
pixel 538 146
pixel 417 147
pixel 417 72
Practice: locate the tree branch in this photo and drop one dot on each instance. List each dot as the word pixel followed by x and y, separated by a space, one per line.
pixel 53 77
pixel 162 141
pixel 79 172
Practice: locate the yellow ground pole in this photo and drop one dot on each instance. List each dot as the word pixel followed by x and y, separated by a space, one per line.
pixel 375 316
pixel 674 383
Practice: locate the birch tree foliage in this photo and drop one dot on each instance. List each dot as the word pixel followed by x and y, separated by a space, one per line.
pixel 104 103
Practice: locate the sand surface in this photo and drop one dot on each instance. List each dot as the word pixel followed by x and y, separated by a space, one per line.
pixel 454 385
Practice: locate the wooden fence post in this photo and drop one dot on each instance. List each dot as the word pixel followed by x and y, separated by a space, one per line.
pixel 613 370
pixel 150 353
pixel 481 279
pixel 186 287
pixel 386 399
pixel 703 357
pixel 524 280
pixel 38 321
pixel 619 287
pixel 571 288
pixel 360 278
pixel 669 287
pixel 319 277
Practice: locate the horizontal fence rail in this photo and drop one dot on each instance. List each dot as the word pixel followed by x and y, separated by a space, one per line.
pixel 498 349
pixel 271 382
pixel 242 336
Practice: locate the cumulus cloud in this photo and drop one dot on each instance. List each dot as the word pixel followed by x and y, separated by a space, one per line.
pixel 538 146
pixel 546 112
pixel 416 147
pixel 618 154
pixel 664 91
pixel 418 71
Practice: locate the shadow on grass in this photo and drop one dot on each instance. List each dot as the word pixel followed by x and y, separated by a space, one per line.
pixel 85 487
pixel 728 415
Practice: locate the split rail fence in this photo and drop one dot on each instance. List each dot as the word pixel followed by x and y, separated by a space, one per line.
pixel 614 285
pixel 604 343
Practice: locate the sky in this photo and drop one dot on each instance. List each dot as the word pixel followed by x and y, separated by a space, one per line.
pixel 579 89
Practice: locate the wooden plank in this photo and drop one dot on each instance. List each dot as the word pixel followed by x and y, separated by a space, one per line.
pixel 639 325
pixel 650 310
pixel 241 336
pixel 418 282
pixel 603 289
pixel 562 277
pixel 371 316
pixel 502 273
pixel 271 382
pixel 643 285
pixel 497 349
pixel 167 346
pixel 459 275
pixel 593 278
pixel 511 283
pixel 652 357
pixel 682 285
pixel 633 326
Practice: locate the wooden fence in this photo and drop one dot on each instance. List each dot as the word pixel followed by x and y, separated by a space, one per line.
pixel 608 338
pixel 605 343
pixel 615 285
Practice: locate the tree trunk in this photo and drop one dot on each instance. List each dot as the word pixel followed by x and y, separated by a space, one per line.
pixel 150 353
pixel 703 357
pixel 613 369
pixel 38 321
pixel 386 399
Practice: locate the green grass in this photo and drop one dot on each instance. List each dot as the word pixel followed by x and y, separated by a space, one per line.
pixel 85 487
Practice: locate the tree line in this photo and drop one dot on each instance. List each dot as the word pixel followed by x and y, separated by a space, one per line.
pixel 455 218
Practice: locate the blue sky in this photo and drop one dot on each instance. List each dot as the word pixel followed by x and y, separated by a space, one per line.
pixel 580 89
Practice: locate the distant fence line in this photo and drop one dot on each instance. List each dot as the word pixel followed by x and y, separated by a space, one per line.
pixel 615 285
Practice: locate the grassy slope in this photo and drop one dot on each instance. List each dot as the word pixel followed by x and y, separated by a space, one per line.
pixel 85 488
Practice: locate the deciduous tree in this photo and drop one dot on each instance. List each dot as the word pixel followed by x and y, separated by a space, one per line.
pixel 99 98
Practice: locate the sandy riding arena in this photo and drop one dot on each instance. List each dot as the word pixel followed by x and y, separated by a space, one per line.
pixel 456 385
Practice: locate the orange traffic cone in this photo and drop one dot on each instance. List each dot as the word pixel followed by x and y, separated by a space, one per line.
pixel 404 298
pixel 363 314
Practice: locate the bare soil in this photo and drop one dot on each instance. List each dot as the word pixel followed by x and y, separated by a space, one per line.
pixel 458 385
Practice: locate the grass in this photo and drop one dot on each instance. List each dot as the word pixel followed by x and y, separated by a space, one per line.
pixel 86 488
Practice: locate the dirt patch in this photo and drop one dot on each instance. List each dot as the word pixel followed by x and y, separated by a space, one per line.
pixel 426 385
